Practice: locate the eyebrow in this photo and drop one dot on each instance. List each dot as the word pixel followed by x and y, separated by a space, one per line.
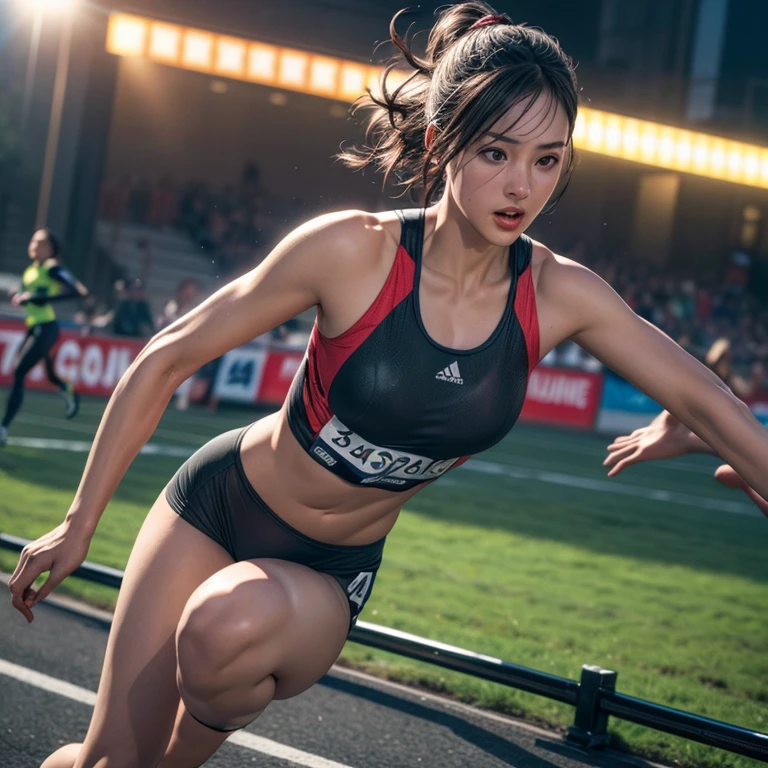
pixel 551 145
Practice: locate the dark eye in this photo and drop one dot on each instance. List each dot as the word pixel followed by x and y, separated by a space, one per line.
pixel 494 154
pixel 553 160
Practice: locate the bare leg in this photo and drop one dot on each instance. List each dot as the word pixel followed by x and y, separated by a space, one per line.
pixel 257 630
pixel 137 698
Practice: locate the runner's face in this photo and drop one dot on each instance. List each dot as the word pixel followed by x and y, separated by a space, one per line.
pixel 40 247
pixel 515 167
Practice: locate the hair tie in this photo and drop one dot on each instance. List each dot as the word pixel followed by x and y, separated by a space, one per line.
pixel 501 18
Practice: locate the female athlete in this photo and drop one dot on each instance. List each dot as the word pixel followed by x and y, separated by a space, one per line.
pixel 250 568
pixel 44 281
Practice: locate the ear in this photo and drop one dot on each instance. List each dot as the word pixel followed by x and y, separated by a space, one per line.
pixel 429 136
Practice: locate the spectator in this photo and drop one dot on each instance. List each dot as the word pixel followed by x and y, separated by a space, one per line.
pixel 132 315
pixel 187 294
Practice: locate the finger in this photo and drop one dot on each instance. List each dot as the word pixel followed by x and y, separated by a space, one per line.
pixel 54 579
pixel 627 440
pixel 621 465
pixel 21 584
pixel 22 608
pixel 618 454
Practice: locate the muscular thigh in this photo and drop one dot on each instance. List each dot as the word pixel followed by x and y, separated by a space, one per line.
pixel 264 617
pixel 137 698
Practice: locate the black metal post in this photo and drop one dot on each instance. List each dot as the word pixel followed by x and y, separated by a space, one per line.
pixel 590 726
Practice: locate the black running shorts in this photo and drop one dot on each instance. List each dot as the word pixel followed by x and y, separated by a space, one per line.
pixel 211 492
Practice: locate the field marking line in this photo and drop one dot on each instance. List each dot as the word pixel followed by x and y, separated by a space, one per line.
pixel 83 446
pixel 509 443
pixel 473 465
pixel 608 486
pixel 241 738
pixel 70 426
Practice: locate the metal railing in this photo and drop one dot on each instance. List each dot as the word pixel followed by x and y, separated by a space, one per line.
pixel 594 696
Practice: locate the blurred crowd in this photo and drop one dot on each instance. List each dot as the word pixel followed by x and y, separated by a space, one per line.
pixel 233 222
pixel 131 314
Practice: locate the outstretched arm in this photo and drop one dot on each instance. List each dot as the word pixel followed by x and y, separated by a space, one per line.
pixel 70 287
pixel 596 318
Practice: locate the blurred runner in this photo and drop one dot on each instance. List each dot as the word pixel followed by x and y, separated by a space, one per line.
pixel 44 281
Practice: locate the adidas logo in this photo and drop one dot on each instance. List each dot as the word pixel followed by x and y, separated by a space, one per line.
pixel 451 373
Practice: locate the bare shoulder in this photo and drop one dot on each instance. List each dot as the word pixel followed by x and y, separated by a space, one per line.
pixel 569 296
pixel 346 240
pixel 352 253
pixel 563 280
pixel 556 275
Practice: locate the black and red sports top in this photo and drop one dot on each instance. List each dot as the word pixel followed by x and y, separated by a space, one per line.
pixel 385 405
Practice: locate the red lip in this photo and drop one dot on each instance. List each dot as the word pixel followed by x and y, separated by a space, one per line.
pixel 511 209
pixel 506 223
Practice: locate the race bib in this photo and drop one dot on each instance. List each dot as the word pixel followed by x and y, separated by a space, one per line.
pixel 359 461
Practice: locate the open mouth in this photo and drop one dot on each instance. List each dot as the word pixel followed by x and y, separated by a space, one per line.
pixel 509 216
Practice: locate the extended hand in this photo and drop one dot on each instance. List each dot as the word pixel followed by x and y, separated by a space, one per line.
pixel 60 551
pixel 664 438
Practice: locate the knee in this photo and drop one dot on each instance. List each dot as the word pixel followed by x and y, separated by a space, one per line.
pixel 222 620
pixel 224 654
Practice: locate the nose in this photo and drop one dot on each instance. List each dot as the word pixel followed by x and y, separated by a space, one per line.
pixel 518 182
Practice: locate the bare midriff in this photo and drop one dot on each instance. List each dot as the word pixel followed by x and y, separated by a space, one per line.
pixel 308 496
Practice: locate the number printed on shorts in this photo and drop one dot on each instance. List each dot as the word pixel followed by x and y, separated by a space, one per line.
pixel 371 464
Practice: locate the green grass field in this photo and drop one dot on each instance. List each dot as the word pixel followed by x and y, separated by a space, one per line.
pixel 550 571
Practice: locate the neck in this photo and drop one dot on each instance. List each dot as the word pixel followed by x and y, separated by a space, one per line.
pixel 453 247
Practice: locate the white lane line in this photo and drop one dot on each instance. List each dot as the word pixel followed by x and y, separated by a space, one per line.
pixel 39 680
pixel 241 738
pixel 83 446
pixel 273 749
pixel 607 486
pixel 70 426
pixel 473 465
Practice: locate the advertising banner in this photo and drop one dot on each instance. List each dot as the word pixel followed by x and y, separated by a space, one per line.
pixel 94 363
pixel 562 396
pixel 239 375
pixel 279 370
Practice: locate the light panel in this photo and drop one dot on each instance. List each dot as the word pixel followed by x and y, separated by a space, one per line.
pixel 205 51
pixel 677 149
pixel 197 50
pixel 618 136
pixel 230 56
pixel 164 42
pixel 127 35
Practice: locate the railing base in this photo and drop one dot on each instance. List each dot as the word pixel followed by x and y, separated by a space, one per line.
pixel 590 726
